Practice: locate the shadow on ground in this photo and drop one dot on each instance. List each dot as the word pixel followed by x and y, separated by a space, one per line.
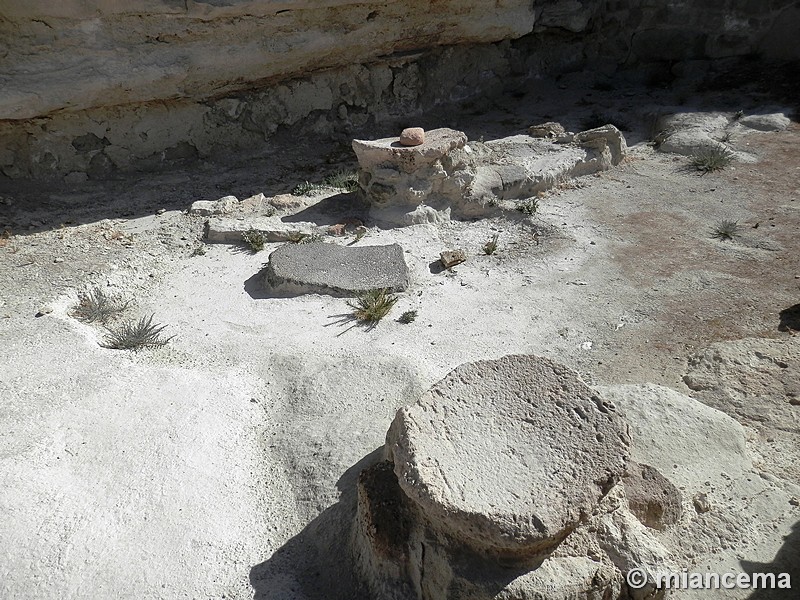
pixel 331 210
pixel 316 564
pixel 787 560
pixel 790 319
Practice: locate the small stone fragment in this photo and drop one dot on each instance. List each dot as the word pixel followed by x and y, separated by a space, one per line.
pixel 207 208
pixel 412 136
pixel 451 258
pixel 701 503
pixel 547 130
pixel 44 310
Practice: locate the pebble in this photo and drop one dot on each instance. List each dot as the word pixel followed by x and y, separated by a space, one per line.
pixel 45 310
pixel 161 211
pixel 412 136
pixel 58 260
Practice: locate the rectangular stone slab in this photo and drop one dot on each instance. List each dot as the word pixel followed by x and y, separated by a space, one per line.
pixel 320 268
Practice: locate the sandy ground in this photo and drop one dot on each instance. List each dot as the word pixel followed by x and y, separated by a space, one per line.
pixel 221 465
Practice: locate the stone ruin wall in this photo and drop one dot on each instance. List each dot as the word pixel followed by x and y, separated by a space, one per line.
pixel 94 87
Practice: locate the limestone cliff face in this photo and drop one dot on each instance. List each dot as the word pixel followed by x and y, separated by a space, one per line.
pixel 98 86
pixel 77 54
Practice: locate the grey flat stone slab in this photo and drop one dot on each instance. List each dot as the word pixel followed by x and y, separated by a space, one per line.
pixel 320 268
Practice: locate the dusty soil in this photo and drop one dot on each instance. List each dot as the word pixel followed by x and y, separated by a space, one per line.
pixel 222 465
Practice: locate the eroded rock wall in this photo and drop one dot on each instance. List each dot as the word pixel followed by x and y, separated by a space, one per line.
pixel 94 86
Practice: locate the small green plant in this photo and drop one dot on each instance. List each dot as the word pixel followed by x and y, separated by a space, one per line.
pixel 528 207
pixel 133 335
pixel 342 180
pixel 373 305
pixel 711 159
pixel 306 238
pixel 408 317
pixel 254 239
pixel 490 247
pixel 726 138
pixel 305 189
pixel 95 306
pixel 725 230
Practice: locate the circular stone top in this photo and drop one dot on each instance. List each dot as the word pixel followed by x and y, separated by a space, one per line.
pixel 507 455
pixel 438 143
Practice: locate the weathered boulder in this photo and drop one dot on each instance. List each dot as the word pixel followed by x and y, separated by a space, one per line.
pixel 321 268
pixel 728 502
pixel 503 481
pixel 446 177
pixel 689 132
pixel 525 422
pixel 776 121
pixel 756 381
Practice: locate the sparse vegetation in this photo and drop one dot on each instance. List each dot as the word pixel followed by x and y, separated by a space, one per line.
pixel 528 207
pixel 408 317
pixel 306 238
pixel 725 230
pixel 305 189
pixel 254 240
pixel 373 305
pixel 711 159
pixel 133 335
pixel 726 138
pixel 341 180
pixel 490 247
pixel 94 306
